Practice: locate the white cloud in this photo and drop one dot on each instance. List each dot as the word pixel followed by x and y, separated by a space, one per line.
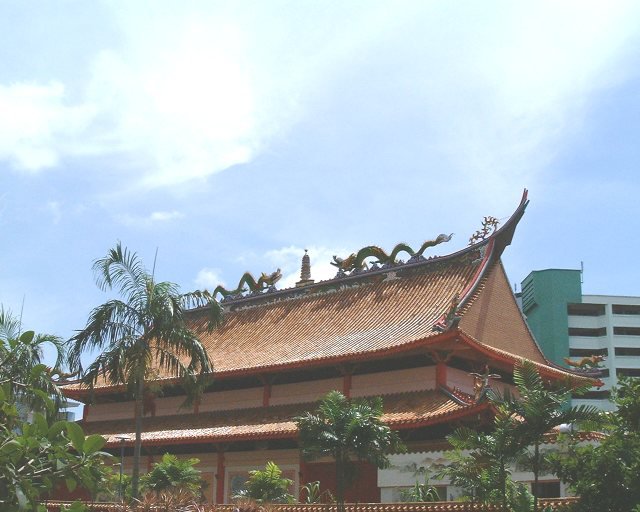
pixel 208 279
pixel 37 126
pixel 191 91
pixel 515 86
pixel 149 220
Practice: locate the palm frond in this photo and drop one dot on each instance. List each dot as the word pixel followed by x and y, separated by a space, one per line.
pixel 9 325
pixel 120 268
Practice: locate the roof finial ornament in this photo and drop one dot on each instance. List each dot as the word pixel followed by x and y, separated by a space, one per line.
pixel 305 271
pixel 482 383
pixel 489 226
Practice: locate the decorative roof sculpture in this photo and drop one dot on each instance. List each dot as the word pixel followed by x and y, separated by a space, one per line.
pixel 305 271
pixel 264 282
pixel 355 261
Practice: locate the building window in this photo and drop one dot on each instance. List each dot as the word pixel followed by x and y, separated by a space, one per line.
pixel 627 351
pixel 593 395
pixel 586 352
pixel 548 489
pixel 627 331
pixel 588 332
pixel 628 372
pixel 626 309
pixel 585 309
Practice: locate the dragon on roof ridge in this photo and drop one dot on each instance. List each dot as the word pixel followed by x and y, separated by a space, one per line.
pixel 355 261
pixel 264 282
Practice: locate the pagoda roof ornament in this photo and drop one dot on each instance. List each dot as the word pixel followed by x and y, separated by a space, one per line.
pixel 305 271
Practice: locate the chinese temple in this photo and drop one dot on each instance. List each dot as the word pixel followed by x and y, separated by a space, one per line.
pixel 429 335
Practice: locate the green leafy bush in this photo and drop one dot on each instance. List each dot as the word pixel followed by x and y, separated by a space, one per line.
pixel 173 474
pixel 267 486
pixel 37 457
pixel 420 493
pixel 312 493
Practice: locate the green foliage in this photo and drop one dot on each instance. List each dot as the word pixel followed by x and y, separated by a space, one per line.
pixel 142 334
pixel 110 488
pixel 267 486
pixel 347 430
pixel 481 461
pixel 312 493
pixel 607 476
pixel 420 493
pixel 26 380
pixel 540 407
pixel 520 425
pixel 36 457
pixel 173 474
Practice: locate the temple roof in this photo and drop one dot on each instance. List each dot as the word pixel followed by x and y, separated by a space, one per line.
pixel 401 410
pixel 372 313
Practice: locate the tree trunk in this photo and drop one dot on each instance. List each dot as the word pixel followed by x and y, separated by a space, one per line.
pixel 340 483
pixel 135 477
pixel 536 471
pixel 503 484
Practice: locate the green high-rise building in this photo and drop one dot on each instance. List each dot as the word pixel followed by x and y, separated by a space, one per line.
pixel 570 325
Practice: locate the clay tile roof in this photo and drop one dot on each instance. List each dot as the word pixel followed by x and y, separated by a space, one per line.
pixel 369 314
pixel 402 410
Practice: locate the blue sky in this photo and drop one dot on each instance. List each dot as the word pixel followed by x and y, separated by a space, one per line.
pixel 232 135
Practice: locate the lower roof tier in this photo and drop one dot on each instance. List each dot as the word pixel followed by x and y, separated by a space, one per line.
pixel 401 411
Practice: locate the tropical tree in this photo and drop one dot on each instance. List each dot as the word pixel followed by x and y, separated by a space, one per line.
pixel 173 474
pixel 21 366
pixel 606 476
pixel 481 460
pixel 141 335
pixel 38 456
pixel 346 430
pixel 539 408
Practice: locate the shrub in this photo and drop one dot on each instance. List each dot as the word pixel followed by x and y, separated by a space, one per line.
pixel 267 486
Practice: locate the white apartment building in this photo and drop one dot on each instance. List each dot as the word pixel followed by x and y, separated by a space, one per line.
pixel 606 325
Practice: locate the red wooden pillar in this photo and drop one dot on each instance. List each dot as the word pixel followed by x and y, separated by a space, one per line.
pixel 346 385
pixel 266 394
pixel 220 478
pixel 441 373
pixel 302 472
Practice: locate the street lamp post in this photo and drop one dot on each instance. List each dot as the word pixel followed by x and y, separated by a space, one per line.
pixel 122 439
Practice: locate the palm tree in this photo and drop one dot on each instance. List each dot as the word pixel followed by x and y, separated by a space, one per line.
pixel 145 333
pixel 347 430
pixel 485 470
pixel 21 366
pixel 540 408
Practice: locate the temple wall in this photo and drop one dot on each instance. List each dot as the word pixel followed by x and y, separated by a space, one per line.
pixel 110 411
pixel 238 465
pixel 170 405
pixel 460 379
pixel 236 399
pixel 407 468
pixel 397 381
pixel 380 383
pixel 301 392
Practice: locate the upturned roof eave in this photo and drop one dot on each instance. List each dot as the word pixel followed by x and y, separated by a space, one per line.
pixel 292 433
pixel 292 365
